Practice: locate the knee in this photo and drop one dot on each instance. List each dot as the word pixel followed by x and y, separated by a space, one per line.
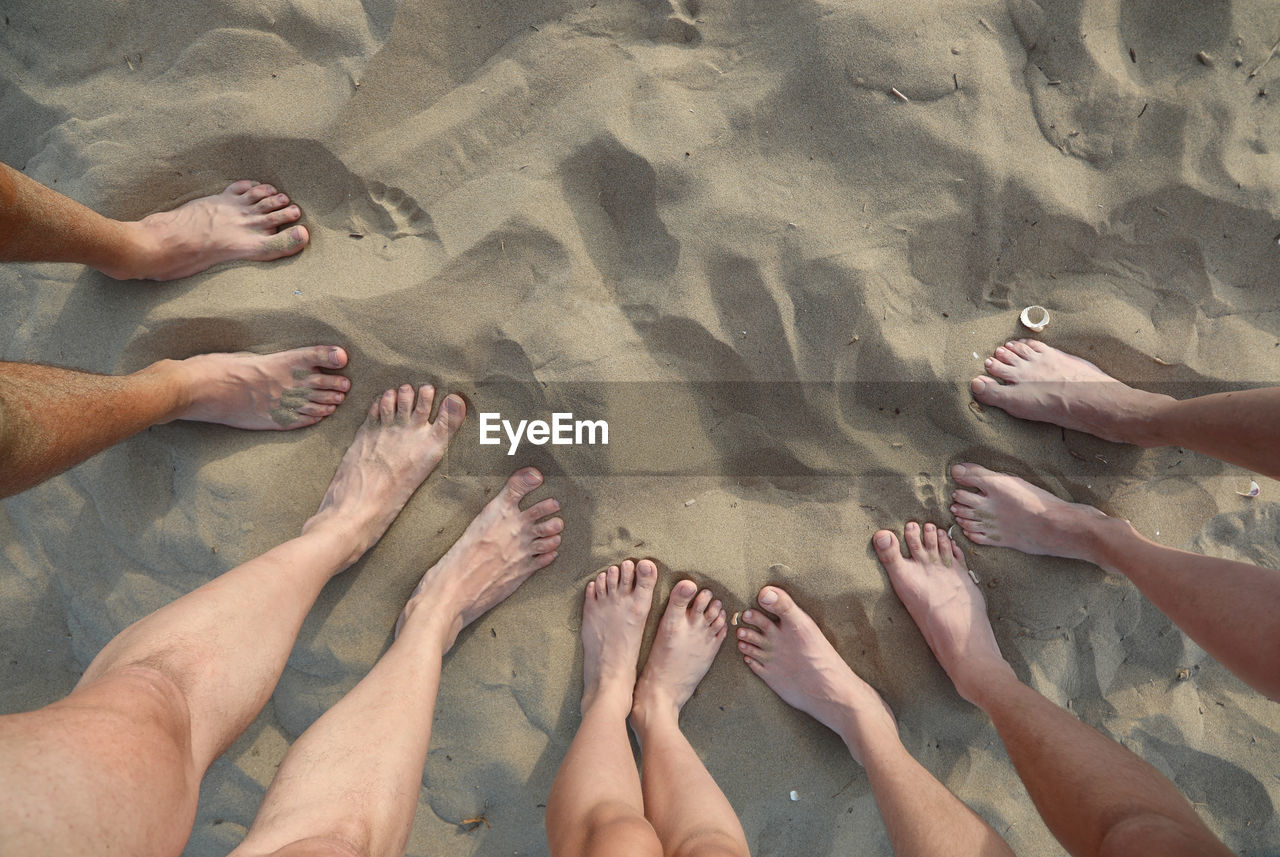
pixel 709 843
pixel 619 832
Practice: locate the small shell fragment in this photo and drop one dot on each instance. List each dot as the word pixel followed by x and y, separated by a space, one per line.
pixel 734 619
pixel 1035 317
pixel 1253 491
pixel 688 503
pixel 795 795
pixel 898 95
pixel 973 577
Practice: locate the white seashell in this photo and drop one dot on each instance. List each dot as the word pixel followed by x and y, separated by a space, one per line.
pixel 795 795
pixel 1253 491
pixel 1035 317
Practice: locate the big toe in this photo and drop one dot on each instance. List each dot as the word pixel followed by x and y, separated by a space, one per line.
pixel 776 601
pixel 887 550
pixel 326 357
pixel 971 475
pixel 682 594
pixel 453 410
pixel 521 483
pixel 286 242
pixel 987 390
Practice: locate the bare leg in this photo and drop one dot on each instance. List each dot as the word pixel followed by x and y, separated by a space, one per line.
pixel 116 766
pixel 52 419
pixel 792 656
pixel 1095 796
pixel 1229 608
pixel 596 807
pixel 350 783
pixel 686 807
pixel 1044 384
pixel 41 225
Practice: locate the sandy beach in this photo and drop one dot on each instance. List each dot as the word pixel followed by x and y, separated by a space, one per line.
pixel 770 244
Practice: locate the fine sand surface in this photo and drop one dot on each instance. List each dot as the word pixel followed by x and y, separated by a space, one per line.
pixel 713 224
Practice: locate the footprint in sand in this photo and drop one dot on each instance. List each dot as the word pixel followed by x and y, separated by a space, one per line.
pixel 679 22
pixel 396 215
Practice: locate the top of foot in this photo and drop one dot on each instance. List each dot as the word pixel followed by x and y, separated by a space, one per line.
pixel 689 635
pixel 498 551
pixel 394 451
pixel 285 390
pixel 935 586
pixel 1034 381
pixel 614 611
pixel 243 222
pixel 799 664
pixel 1003 510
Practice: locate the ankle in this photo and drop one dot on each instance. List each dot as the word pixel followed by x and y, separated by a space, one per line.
pixel 134 255
pixel 614 699
pixel 648 709
pixel 1142 421
pixel 174 381
pixel 1108 542
pixel 987 683
pixel 429 621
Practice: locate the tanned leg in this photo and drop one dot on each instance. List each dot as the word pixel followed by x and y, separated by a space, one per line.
pixel 1034 381
pixel 116 766
pixel 596 806
pixel 41 225
pixel 350 783
pixel 1094 795
pixel 923 818
pixel 684 804
pixel 1227 607
pixel 52 419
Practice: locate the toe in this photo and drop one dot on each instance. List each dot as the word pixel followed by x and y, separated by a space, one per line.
pixel 283 243
pixel 628 578
pixel 541 509
pixel 612 576
pixel 315 409
pixel 404 402
pixel 714 609
pixel 682 593
pixel 540 546
pixel 426 397
pixel 887 550
pixel 1005 354
pixel 239 187
pixel 259 192
pixel 326 397
pixel 751 637
pixel 911 535
pixel 543 560
pixel 646 574
pixel 1036 345
pixel 324 357
pixel 1020 348
pixel 776 601
pixel 341 383
pixel 591 590
pixel 967 498
pixel 602 585
pixel 278 218
pixel 521 482
pixel 453 410
pixel 271 203
pixel 945 554
pixel 550 527
pixel 1001 371
pixel 929 538
pixel 702 601
pixel 965 513
pixel 387 406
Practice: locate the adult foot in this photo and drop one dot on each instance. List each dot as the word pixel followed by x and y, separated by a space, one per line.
pixel 614 611
pixel 1047 385
pixel 285 390
pixel 497 552
pixel 395 450
pixel 935 586
pixel 242 222
pixel 799 664
pixel 689 635
pixel 1009 512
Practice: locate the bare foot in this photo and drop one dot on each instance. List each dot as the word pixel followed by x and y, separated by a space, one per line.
pixel 1009 512
pixel 799 664
pixel 497 552
pixel 239 223
pixel 1044 384
pixel 935 586
pixel 285 390
pixel 614 611
pixel 689 635
pixel 393 453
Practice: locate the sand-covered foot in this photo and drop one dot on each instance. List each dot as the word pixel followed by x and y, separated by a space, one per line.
pixel 246 221
pixel 1003 510
pixel 935 586
pixel 689 635
pixel 499 550
pixel 285 390
pixel 1034 381
pixel 791 655
pixel 394 451
pixel 614 611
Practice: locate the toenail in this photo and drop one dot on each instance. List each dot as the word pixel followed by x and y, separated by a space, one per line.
pixel 883 540
pixel 958 470
pixel 531 478
pixel 768 596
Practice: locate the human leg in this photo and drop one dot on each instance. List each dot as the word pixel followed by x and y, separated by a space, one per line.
pixel 52 419
pixel 116 766
pixel 351 781
pixel 596 806
pixel 1035 381
pixel 791 655
pixel 1095 796
pixel 1229 608
pixel 38 224
pixel 682 801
